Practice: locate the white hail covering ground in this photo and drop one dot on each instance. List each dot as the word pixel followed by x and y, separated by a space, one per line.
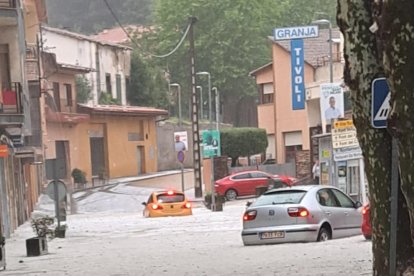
pixel 109 236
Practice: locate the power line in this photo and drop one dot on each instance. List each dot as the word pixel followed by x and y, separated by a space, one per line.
pixel 136 43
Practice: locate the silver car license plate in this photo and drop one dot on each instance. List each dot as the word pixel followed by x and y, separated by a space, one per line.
pixel 272 235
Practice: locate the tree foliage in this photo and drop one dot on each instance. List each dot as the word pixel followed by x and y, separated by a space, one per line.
pixel 236 142
pixel 83 89
pixel 378 40
pixel 92 15
pixel 231 38
pixel 148 86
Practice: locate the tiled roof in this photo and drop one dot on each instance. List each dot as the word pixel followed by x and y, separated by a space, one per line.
pixel 315 49
pixel 117 35
pixel 83 37
pixel 122 110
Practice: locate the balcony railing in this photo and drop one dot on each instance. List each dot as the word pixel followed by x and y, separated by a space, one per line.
pixel 11 99
pixel 10 4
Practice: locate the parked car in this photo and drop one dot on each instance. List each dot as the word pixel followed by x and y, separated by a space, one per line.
pixel 301 214
pixel 167 203
pixel 366 222
pixel 245 183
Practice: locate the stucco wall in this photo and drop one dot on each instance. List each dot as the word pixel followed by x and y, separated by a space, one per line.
pixel 82 52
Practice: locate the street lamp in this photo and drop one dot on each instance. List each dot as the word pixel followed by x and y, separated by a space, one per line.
pixel 321 22
pixel 201 101
pixel 210 118
pixel 217 107
pixel 179 101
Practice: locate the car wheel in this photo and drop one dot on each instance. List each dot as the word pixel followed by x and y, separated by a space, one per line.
pixel 324 235
pixel 231 194
pixel 367 237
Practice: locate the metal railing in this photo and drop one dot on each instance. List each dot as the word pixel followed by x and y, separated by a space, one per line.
pixel 12 99
pixel 11 4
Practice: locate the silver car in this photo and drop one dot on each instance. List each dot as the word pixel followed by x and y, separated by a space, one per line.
pixel 300 214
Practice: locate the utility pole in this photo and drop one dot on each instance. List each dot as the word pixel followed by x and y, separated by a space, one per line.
pixel 194 114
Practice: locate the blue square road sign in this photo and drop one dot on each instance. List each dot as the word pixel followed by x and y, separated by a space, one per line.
pixel 380 103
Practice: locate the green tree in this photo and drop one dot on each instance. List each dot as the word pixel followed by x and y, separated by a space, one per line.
pixel 231 38
pixel 378 43
pixel 148 85
pixel 83 89
pixel 107 99
pixel 236 142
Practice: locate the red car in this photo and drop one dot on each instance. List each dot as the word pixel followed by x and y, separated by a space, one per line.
pixel 244 183
pixel 366 222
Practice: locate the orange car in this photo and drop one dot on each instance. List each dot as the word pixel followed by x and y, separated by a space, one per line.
pixel 167 203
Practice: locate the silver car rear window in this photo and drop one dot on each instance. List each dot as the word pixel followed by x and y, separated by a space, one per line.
pixel 280 197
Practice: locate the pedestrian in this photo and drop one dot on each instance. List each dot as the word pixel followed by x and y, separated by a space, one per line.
pixel 179 145
pixel 316 171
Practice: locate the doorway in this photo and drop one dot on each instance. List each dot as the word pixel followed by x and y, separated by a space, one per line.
pixel 97 155
pixel 141 159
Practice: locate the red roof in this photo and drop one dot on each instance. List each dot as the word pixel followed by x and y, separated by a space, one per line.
pixel 117 35
pixel 123 110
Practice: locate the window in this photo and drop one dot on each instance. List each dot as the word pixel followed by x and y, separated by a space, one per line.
pixel 344 200
pixel 259 175
pixel 108 83
pixel 56 96
pixel 353 177
pixel 290 153
pixel 266 93
pixel 69 100
pixel 166 198
pixel 327 198
pixel 280 197
pixel 118 87
pixel 241 176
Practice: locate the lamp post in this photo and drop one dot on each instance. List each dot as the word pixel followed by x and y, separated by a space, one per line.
pixel 179 101
pixel 201 101
pixel 209 96
pixel 217 107
pixel 321 22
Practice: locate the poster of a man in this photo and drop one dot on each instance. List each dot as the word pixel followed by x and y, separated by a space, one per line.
pixel 180 141
pixel 332 112
pixel 332 102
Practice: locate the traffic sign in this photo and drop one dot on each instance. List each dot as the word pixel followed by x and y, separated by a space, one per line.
pixel 61 190
pixel 211 143
pixel 380 103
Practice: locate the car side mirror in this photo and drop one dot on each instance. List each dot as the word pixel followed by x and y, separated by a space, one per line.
pixel 358 204
pixel 144 203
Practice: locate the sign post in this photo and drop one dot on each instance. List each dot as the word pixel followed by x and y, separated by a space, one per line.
pixel 180 157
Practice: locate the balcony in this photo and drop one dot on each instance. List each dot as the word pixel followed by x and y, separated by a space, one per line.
pixel 11 111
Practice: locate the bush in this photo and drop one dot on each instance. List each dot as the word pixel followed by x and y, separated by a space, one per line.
pixel 79 176
pixel 219 199
pixel 41 227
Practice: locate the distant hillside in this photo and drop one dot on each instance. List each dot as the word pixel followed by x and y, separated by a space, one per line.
pixel 92 16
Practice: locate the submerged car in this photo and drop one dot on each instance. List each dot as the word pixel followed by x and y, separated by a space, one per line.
pixel 245 183
pixel 301 214
pixel 167 203
pixel 366 222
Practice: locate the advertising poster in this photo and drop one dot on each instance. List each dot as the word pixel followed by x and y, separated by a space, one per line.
pixel 332 102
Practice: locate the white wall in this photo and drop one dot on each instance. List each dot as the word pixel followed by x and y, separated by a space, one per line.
pixel 82 52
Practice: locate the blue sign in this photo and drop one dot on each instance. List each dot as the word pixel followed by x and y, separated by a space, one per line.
pixel 380 103
pixel 295 32
pixel 298 82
